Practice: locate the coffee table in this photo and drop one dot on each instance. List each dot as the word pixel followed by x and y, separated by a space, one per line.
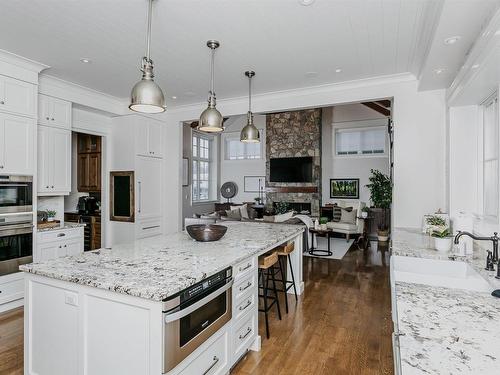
pixel 322 233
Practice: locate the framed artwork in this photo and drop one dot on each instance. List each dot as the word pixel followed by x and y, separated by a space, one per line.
pixel 344 188
pixel 254 184
pixel 185 171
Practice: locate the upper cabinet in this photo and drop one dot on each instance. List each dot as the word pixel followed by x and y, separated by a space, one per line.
pixel 17 97
pixel 54 112
pixel 148 138
pixel 89 163
pixel 17 140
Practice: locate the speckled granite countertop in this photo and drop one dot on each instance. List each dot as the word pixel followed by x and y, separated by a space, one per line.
pixel 445 331
pixel 65 226
pixel 157 267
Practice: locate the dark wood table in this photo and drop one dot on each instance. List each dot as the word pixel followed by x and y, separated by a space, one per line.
pixel 322 233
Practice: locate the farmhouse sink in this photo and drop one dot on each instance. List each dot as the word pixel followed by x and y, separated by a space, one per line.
pixel 442 273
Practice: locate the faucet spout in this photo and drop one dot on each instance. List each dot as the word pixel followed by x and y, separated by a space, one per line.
pixel 494 239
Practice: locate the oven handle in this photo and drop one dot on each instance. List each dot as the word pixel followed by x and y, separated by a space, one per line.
pixel 188 310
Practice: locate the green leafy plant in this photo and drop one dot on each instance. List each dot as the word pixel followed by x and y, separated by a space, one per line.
pixel 51 213
pixel 281 207
pixel 323 220
pixel 380 187
pixel 436 220
pixel 365 209
pixel 443 233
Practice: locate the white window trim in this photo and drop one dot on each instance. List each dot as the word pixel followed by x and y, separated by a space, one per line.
pixel 342 129
pixel 236 135
pixel 212 195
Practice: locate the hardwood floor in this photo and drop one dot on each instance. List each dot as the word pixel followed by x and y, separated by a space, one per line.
pixel 341 325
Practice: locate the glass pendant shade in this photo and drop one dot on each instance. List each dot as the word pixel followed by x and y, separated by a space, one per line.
pixel 146 95
pixel 250 133
pixel 211 120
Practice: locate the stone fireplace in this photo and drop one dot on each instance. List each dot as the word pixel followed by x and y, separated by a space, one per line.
pixel 295 134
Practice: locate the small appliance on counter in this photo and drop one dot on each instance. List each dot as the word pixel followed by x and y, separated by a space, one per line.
pixel 87 205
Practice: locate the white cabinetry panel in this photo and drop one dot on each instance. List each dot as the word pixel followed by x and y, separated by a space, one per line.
pixel 54 112
pixel 16 144
pixel 17 97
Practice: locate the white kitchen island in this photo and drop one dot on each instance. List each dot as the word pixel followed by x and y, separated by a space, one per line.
pixel 101 312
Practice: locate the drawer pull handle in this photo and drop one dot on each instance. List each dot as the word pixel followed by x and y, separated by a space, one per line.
pixel 246 334
pixel 246 306
pixel 246 267
pixel 216 360
pixel 245 287
pixel 151 227
pixel 61 234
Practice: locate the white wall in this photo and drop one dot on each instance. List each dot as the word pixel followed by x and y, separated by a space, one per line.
pixel 236 170
pixel 419 126
pixel 349 116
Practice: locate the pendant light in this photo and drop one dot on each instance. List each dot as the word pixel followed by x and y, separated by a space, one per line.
pixel 250 133
pixel 211 120
pixel 146 96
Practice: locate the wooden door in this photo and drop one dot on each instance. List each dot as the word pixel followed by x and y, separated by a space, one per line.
pixel 94 172
pixel 83 172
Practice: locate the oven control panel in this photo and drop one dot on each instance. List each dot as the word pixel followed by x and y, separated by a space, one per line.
pixel 204 285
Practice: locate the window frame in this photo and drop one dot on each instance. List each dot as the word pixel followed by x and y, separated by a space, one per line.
pixel 232 136
pixel 344 129
pixel 197 159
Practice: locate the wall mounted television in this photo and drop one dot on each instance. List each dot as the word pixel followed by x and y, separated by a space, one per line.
pixel 291 169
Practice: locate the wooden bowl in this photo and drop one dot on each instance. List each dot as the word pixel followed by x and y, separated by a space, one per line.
pixel 206 232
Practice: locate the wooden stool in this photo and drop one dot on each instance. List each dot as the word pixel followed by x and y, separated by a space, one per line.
pixel 266 273
pixel 284 252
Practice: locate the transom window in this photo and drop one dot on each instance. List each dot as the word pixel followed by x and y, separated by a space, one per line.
pixel 202 167
pixel 237 150
pixel 366 141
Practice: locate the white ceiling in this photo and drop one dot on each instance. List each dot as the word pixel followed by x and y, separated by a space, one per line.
pixel 287 44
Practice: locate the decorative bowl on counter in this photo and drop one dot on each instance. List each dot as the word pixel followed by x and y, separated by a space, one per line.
pixel 206 232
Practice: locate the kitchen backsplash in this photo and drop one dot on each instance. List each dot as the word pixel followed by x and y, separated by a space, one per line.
pixel 52 203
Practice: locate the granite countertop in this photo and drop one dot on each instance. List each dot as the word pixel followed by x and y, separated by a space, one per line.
pixel 443 330
pixel 65 226
pixel 158 267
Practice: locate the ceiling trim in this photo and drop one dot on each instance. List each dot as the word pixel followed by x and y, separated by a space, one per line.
pixel 82 95
pixel 20 67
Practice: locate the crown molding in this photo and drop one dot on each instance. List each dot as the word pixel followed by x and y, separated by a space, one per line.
pixel 82 95
pixel 19 67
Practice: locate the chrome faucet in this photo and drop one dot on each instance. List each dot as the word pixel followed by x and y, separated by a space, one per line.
pixel 493 239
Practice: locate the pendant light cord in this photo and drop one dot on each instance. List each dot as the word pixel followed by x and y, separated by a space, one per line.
pixel 250 94
pixel 148 34
pixel 212 73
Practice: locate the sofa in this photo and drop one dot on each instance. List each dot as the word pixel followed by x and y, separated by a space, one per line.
pixel 350 222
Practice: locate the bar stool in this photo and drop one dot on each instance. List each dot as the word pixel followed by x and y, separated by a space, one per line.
pixel 284 252
pixel 266 273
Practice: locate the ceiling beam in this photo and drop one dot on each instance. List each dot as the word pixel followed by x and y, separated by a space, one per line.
pixel 377 108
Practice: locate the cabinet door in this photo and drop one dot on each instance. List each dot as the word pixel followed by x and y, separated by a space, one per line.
pixel 43 110
pixel 60 113
pixel 18 135
pixel 148 171
pixel 43 152
pixel 74 247
pixel 155 139
pixel 83 172
pixel 47 251
pixel 141 137
pixel 17 96
pixel 60 161
pixel 94 171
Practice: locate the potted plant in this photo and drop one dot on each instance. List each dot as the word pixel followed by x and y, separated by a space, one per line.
pixel 381 197
pixel 364 212
pixel 442 239
pixel 258 200
pixel 51 215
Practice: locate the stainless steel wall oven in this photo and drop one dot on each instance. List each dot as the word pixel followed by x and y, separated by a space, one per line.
pixel 16 242
pixel 16 194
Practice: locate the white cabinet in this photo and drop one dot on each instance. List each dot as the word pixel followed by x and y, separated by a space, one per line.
pixel 17 97
pixel 148 134
pixel 148 196
pixel 17 140
pixel 11 291
pixel 54 112
pixel 58 243
pixel 54 161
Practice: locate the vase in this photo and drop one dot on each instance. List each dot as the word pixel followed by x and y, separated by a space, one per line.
pixel 442 244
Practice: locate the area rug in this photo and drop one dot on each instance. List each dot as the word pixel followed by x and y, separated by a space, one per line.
pixel 338 246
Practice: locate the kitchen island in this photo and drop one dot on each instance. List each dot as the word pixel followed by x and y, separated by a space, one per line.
pixel 102 312
pixel 444 330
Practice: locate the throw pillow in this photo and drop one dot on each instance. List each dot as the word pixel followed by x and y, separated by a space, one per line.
pixel 233 214
pixel 243 210
pixel 337 213
pixel 348 216
pixel 283 217
pixel 252 213
pixel 268 219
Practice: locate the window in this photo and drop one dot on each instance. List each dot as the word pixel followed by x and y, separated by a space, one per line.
pixel 366 141
pixel 202 167
pixel 490 158
pixel 237 150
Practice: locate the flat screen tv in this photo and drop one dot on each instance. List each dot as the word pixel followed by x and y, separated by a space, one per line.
pixel 291 169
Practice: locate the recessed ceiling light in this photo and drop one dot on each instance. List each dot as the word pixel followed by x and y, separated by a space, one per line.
pixel 338 70
pixel 306 2
pixel 174 97
pixel 452 40
pixel 475 66
pixel 439 71
pixel 85 60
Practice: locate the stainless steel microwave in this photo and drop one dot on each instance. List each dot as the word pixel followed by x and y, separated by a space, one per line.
pixel 16 194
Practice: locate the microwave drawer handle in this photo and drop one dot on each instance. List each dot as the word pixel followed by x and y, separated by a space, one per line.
pixel 215 361
pixel 249 284
pixel 176 315
pixel 246 267
pixel 151 227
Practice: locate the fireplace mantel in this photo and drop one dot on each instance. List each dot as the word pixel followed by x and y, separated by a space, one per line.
pixel 292 189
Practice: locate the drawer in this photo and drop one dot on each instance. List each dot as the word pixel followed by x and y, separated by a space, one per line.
pixel 245 285
pixel 245 305
pixel 244 268
pixel 213 360
pixel 58 235
pixel 243 336
pixel 11 287
pixel 149 228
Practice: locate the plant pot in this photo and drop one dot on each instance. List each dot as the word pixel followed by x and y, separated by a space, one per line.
pixel 50 219
pixel 442 244
pixel 364 214
pixel 383 235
